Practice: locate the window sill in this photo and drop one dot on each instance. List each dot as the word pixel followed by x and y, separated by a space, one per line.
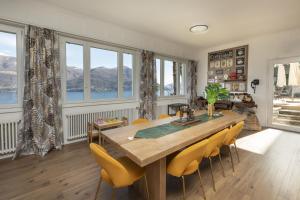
pixel 100 103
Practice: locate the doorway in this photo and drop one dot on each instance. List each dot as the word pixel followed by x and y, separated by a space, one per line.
pixel 284 86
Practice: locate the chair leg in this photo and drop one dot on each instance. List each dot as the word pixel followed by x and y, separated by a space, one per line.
pixel 98 188
pixel 236 151
pixel 220 159
pixel 232 164
pixel 201 184
pixel 147 189
pixel 183 187
pixel 113 194
pixel 212 174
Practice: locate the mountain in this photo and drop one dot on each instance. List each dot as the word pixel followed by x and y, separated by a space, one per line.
pixel 102 78
pixel 8 73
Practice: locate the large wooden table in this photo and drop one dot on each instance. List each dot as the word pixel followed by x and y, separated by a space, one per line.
pixel 152 153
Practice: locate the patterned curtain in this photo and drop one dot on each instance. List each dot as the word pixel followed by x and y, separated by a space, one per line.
pixel 174 78
pixel 41 127
pixel 148 86
pixel 192 83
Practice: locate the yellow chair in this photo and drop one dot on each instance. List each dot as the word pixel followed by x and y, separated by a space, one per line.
pixel 187 162
pixel 163 116
pixel 118 173
pixel 231 138
pixel 213 149
pixel 139 121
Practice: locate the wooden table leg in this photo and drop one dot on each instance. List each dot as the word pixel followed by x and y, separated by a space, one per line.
pixel 156 176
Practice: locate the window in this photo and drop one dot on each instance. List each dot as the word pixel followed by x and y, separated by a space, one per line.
pixel 157 63
pixel 95 72
pixel 170 76
pixel 103 74
pixel 10 59
pixel 75 79
pixel 127 75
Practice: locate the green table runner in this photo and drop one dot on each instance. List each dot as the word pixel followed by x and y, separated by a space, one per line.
pixel 165 129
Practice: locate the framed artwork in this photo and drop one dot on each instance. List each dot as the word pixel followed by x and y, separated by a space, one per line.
pixel 240 52
pixel 219 72
pixel 228 86
pixel 235 87
pixel 210 73
pixel 223 63
pixel 217 64
pixel 229 62
pixel 240 61
pixel 212 64
pixel 229 66
pixel 242 87
pixel 240 70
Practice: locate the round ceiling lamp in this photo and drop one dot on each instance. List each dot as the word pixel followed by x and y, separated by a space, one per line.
pixel 199 28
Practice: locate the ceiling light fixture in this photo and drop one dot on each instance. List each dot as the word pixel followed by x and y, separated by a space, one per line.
pixel 199 28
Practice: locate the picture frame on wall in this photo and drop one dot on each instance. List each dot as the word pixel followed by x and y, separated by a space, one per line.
pixel 240 52
pixel 229 62
pixel 228 86
pixel 240 61
pixel 240 70
pixel 242 87
pixel 217 64
pixel 219 72
pixel 223 63
pixel 212 64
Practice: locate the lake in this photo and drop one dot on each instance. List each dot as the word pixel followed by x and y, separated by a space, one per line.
pixel 11 97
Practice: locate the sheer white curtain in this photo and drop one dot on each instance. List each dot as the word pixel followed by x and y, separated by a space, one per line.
pixel 294 74
pixel 281 79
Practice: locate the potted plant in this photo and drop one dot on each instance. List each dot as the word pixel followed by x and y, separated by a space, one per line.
pixel 214 92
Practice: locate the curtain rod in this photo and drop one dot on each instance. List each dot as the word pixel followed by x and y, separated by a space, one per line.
pixel 65 34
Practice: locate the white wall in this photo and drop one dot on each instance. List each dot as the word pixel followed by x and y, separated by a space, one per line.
pixel 46 15
pixel 262 50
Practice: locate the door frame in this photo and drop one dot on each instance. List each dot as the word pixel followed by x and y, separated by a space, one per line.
pixel 270 93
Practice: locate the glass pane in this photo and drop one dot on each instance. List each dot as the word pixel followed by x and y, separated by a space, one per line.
pixel 74 62
pixel 286 88
pixel 8 68
pixel 168 78
pixel 157 63
pixel 181 78
pixel 127 73
pixel 104 74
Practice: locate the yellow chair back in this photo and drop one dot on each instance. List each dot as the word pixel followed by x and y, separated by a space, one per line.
pixel 140 121
pixel 181 161
pixel 116 171
pixel 163 116
pixel 215 142
pixel 233 133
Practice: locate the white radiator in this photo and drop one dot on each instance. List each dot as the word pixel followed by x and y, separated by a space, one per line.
pixel 8 137
pixel 77 123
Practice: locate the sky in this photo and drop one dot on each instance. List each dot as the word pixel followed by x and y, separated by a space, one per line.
pixel 8 44
pixel 99 57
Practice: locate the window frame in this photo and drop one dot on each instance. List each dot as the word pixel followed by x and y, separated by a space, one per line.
pixel 87 45
pixel 19 64
pixel 162 75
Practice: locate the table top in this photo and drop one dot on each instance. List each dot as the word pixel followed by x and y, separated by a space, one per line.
pixel 108 124
pixel 146 151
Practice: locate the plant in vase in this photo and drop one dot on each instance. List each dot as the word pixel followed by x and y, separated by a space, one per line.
pixel 214 92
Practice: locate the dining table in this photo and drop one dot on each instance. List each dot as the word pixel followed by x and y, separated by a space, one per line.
pixel 151 153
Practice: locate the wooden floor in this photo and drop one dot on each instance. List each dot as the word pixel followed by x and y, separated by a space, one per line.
pixel 269 169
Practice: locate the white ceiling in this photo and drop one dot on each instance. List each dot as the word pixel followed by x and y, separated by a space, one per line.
pixel 228 20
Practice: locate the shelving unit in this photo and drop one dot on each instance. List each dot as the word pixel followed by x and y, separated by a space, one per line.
pixel 230 68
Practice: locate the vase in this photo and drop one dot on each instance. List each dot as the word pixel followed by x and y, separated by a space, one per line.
pixel 210 110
